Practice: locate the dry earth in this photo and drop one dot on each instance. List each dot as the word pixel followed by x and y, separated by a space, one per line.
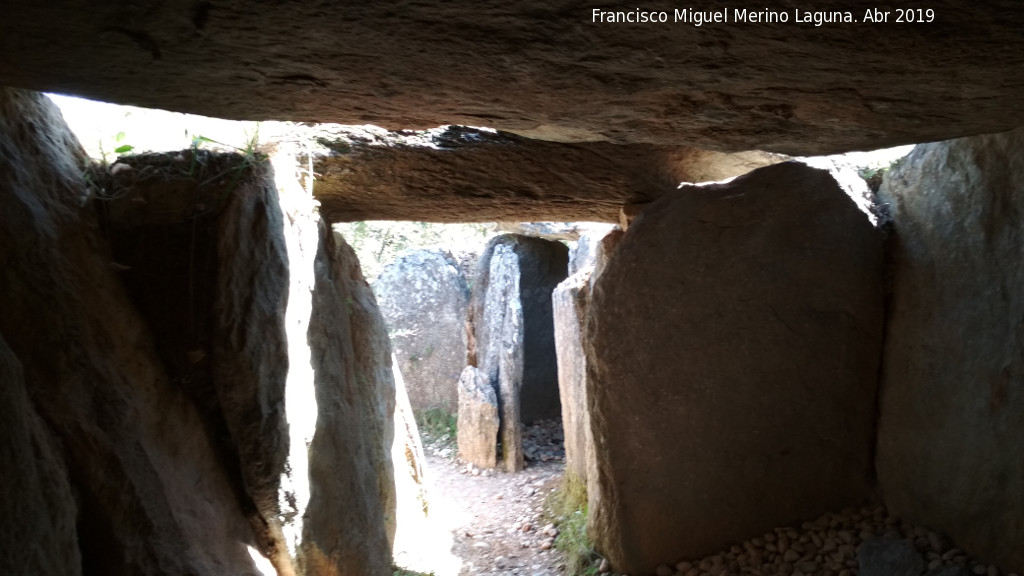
pixel 488 521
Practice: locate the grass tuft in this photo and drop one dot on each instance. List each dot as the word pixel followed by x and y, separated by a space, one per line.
pixel 437 424
pixel 566 508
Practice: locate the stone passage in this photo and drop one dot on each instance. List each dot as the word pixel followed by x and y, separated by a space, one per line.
pixel 424 299
pixel 513 344
pixel 951 435
pixel 733 342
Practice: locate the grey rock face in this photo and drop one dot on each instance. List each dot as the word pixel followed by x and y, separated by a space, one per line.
pixel 424 300
pixel 889 557
pixel 952 424
pixel 570 304
pixel 513 330
pixel 733 340
pixel 478 419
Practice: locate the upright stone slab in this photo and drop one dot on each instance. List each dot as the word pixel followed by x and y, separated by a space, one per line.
pixel 733 344
pixel 154 493
pixel 424 300
pixel 951 435
pixel 513 330
pixel 38 535
pixel 478 419
pixel 569 305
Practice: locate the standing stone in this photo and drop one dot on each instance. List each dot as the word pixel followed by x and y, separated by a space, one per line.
pixel 513 331
pixel 38 535
pixel 570 304
pixel 424 300
pixel 733 342
pixel 154 493
pixel 951 430
pixel 478 419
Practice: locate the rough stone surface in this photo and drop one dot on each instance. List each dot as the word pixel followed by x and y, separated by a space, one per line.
pixel 424 300
pixel 544 69
pixel 569 302
pixel 478 422
pixel 152 495
pixel 952 401
pixel 149 310
pixel 513 329
pixel 38 535
pixel 351 478
pixel 458 173
pixel 733 341
pixel 888 557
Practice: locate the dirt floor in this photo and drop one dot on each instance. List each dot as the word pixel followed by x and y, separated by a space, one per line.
pixel 486 521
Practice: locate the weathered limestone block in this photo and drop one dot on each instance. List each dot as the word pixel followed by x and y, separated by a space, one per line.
pixel 347 523
pixel 733 341
pixel 153 496
pixel 38 535
pixel 514 331
pixel 424 300
pixel 478 422
pixel 951 430
pixel 569 302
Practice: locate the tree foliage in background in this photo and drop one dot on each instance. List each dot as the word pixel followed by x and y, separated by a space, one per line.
pixel 378 243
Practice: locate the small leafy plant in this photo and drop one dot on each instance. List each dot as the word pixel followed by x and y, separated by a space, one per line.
pixel 437 424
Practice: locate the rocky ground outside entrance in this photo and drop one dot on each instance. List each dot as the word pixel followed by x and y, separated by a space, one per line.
pixel 494 522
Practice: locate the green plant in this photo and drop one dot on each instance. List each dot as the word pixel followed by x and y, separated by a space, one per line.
pixel 566 508
pixel 119 148
pixel 437 424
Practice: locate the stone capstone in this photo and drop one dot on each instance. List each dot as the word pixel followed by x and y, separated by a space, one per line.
pixel 951 428
pixel 424 300
pixel 552 70
pixel 478 421
pixel 458 173
pixel 733 340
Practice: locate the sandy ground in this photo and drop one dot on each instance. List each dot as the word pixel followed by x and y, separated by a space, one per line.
pixel 487 522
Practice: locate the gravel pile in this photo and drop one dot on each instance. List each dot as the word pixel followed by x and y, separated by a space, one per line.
pixel 864 542
pixel 544 441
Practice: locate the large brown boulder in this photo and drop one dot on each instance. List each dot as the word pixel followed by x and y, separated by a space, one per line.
pixel 733 341
pixel 547 69
pixel 951 433
pixel 424 300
